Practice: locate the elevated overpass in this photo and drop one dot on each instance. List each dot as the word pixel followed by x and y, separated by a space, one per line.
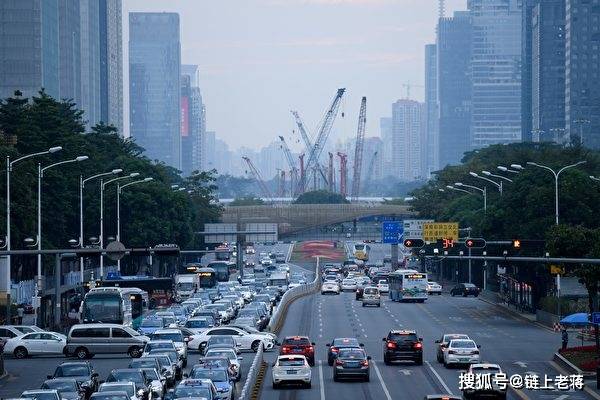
pixel 293 218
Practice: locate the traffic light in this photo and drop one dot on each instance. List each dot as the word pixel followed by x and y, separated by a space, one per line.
pixel 475 243
pixel 166 250
pixel 516 243
pixel 414 243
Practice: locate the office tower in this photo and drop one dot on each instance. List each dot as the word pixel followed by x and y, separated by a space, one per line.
pixel 432 155
pixel 111 63
pixel 209 162
pixel 454 87
pixel 385 127
pixel 408 121
pixel 548 71
pixel 90 60
pixel 29 47
pixel 192 120
pixel 496 71
pixel 582 69
pixel 526 54
pixel 154 85
pixel 70 50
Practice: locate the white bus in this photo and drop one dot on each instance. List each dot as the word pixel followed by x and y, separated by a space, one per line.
pixel 408 285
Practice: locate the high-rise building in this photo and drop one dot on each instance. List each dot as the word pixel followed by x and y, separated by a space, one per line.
pixel 408 122
pixel 90 61
pixel 453 87
pixel 29 47
pixel 431 159
pixel 385 127
pixel 192 120
pixel 209 162
pixel 495 71
pixel 154 85
pixel 582 71
pixel 111 62
pixel 70 50
pixel 526 54
pixel 548 71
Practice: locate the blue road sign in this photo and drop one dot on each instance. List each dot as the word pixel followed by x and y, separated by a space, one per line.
pixel 596 318
pixel 391 232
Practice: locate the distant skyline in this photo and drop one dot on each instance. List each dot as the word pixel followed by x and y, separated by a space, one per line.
pixel 259 59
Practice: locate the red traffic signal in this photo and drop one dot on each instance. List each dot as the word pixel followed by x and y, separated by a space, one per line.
pixel 475 243
pixel 414 243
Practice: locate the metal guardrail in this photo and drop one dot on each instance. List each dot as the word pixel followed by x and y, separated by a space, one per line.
pixel 276 321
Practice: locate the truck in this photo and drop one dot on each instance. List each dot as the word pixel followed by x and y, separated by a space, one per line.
pixel 186 285
pixel 280 280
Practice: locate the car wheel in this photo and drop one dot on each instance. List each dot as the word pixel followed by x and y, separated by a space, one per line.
pixel 20 352
pixel 135 352
pixel 419 361
pixel 184 362
pixel 363 304
pixel 386 360
pixel 368 378
pixel 201 347
pixel 330 362
pixel 275 386
pixel 82 353
pixel 308 385
pixel 335 378
pixel 255 345
pixel 452 293
pixel 465 295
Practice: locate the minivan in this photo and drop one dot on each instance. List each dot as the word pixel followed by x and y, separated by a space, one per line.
pixel 86 340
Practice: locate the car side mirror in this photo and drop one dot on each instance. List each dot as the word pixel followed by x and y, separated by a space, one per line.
pixel 95 375
pixel 420 339
pixel 383 340
pixel 49 377
pixel 368 357
pixel 313 343
pixel 328 344
pixel 438 341
pixel 478 346
pixel 361 344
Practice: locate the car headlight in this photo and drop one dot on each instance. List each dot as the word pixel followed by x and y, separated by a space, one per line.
pixel 140 392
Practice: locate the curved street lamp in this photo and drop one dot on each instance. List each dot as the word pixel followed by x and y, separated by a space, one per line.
pixel 483 191
pixel 498 185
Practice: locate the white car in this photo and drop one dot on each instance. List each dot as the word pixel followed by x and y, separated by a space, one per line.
pixel 266 262
pixel 461 351
pixel 383 286
pixel 348 284
pixel 291 369
pixel 434 288
pixel 246 341
pixel 36 343
pixel 495 390
pixel 330 287
pixel 46 394
pixel 198 324
pixel 159 345
pixel 177 338
pixel 231 354
pixel 127 387
pixel 250 250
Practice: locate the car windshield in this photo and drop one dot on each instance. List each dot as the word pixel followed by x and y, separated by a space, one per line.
pixel 152 323
pixel 462 344
pixel 371 291
pixel 39 396
pixel 97 396
pixel 163 360
pixel 468 285
pixel 230 354
pixel 125 387
pixel 171 354
pixel 215 362
pixel 197 323
pixel 221 340
pixel 143 363
pixel 296 342
pixel 71 370
pixel 197 392
pixel 398 337
pixel 125 376
pixel 61 386
pixel 214 375
pixel 291 362
pixel 159 346
pixel 151 373
pixel 351 353
pixel 175 336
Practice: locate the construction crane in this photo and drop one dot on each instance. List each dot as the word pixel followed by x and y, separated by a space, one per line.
pixel 408 86
pixel 358 149
pixel 290 159
pixel 306 139
pixel 372 166
pixel 325 129
pixel 330 172
pixel 259 179
pixel 343 172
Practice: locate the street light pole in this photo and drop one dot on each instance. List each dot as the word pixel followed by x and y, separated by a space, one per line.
pixel 556 175
pixel 498 185
pixel 483 191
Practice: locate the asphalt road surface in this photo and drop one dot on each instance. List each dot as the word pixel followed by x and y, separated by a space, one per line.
pixel 519 347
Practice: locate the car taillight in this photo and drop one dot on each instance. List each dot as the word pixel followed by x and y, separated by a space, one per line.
pixel 365 363
pixel 334 350
pixel 418 346
pixel 339 362
pixel 285 349
pixel 310 349
pixel 391 345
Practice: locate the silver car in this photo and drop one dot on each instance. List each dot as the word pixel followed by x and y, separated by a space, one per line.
pixel 371 297
pixel 85 340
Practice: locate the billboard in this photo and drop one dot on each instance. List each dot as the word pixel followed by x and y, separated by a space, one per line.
pixel 219 238
pixel 432 231
pixel 261 237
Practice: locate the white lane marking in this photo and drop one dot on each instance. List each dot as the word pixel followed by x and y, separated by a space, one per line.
pixel 383 386
pixel 321 382
pixel 405 372
pixel 520 364
pixel 439 378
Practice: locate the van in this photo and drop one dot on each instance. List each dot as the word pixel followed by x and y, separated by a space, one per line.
pixel 86 340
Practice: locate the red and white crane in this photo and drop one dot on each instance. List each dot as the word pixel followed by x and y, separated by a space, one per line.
pixel 358 149
pixel 259 179
pixel 343 173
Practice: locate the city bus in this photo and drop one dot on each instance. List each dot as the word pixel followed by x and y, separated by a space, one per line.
pixel 222 253
pixel 160 290
pixel 361 251
pixel 408 285
pixel 207 277
pixel 113 305
pixel 222 269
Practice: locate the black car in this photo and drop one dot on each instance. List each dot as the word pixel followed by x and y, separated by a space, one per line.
pixel 359 292
pixel 465 289
pixel 402 345
pixel 137 376
pixel 81 371
pixel 338 343
pixel 68 388
pixel 352 363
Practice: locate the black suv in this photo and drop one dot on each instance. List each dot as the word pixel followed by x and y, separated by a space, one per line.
pixel 465 289
pixel 402 345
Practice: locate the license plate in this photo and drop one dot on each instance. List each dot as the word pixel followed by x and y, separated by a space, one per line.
pixel 464 358
pixel 297 351
pixel 291 372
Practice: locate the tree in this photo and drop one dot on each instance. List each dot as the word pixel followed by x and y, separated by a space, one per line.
pixel 247 201
pixel 321 197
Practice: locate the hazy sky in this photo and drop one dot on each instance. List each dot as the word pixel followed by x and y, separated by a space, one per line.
pixel 261 58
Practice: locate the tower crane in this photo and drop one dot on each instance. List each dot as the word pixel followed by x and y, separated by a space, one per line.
pixel 290 159
pixel 330 172
pixel 325 129
pixel 358 149
pixel 306 139
pixel 259 179
pixel 408 86
pixel 372 166
pixel 343 172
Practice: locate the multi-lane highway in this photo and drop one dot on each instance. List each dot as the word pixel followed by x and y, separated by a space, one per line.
pixel 518 346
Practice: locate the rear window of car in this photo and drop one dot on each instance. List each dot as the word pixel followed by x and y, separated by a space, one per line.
pixel 448 338
pixel 371 291
pixel 291 362
pixel 462 344
pixel 398 337
pixel 345 342
pixel 296 342
pixel 351 353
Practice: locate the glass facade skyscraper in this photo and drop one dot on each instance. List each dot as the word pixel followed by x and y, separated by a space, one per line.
pixel 495 71
pixel 154 85
pixel 111 63
pixel 431 105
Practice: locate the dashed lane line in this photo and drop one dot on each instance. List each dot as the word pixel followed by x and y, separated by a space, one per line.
pixel 439 378
pixel 321 381
pixel 383 386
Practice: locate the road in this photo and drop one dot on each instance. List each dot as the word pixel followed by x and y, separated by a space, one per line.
pixel 31 373
pixel 519 347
